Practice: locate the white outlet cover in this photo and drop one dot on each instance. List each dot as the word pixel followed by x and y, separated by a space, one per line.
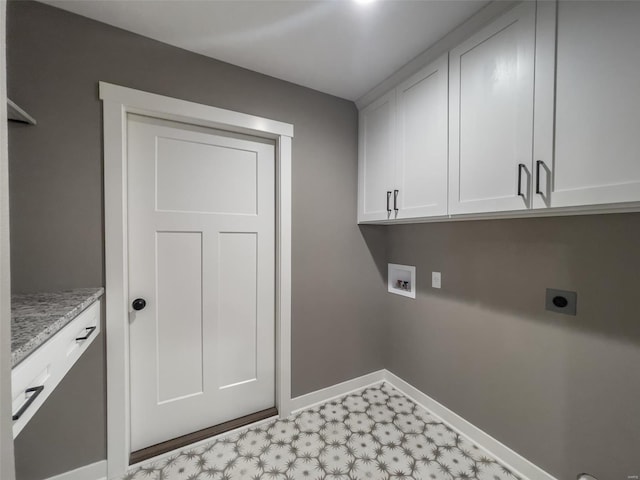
pixel 436 280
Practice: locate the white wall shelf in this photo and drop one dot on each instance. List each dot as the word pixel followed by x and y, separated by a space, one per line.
pixel 17 114
pixel 401 280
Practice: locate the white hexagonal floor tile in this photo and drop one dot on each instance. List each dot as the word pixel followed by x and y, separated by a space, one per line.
pixel 431 471
pixel 335 432
pixel 309 445
pixel 283 430
pixel 367 470
pixel 180 467
pixel 409 423
pixel 334 411
pixel 396 462
pixel 221 453
pixel 252 442
pixel 309 421
pixel 387 434
pixel 355 403
pixel 359 422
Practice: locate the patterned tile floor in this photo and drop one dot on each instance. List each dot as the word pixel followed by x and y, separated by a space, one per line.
pixel 373 434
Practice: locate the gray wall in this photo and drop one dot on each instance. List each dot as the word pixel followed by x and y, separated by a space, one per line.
pixel 55 60
pixel 563 391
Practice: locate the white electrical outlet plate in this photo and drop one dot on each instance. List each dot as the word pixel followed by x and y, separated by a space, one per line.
pixel 436 280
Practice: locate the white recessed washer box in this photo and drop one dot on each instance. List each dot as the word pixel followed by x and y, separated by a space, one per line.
pixel 401 280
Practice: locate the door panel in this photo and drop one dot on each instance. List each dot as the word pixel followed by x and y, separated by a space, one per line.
pixel 598 104
pixel 225 183
pixel 422 142
pixel 238 302
pixel 377 160
pixel 179 295
pixel 491 119
pixel 201 213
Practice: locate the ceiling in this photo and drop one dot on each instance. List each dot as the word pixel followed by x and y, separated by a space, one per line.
pixel 340 47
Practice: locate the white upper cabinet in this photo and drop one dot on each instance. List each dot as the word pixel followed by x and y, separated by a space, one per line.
pixel 597 145
pixel 491 115
pixel 534 114
pixel 421 168
pixel 402 171
pixel 376 166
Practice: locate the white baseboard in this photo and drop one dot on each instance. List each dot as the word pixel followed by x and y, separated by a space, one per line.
pixel 94 471
pixel 320 396
pixel 516 462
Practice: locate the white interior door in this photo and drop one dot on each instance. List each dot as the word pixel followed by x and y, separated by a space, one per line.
pixel 201 254
pixel 491 115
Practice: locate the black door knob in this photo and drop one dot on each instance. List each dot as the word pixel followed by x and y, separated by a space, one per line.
pixel 139 303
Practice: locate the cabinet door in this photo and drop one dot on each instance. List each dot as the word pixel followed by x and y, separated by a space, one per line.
pixel 376 162
pixel 491 115
pixel 421 169
pixel 597 147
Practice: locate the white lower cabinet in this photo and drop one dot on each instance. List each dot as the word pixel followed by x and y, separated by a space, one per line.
pixel 403 150
pixel 33 379
pixel 597 144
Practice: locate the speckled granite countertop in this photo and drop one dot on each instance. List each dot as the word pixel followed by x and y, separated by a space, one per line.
pixel 36 317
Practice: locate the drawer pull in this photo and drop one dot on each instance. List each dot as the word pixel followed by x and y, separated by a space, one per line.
pixel 90 330
pixel 35 391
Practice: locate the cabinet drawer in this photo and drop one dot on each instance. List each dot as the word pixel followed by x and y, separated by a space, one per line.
pixel 33 380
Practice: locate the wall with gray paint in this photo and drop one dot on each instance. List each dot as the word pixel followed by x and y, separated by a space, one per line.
pixel 563 391
pixel 55 60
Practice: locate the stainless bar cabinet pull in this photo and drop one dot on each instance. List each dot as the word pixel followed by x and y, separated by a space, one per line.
pixel 395 200
pixel 35 391
pixel 388 198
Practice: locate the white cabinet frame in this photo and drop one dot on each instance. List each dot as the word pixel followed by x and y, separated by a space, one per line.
pixel 118 102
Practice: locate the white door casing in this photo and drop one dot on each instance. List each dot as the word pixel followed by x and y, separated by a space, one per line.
pixel 202 255
pixel 118 103
pixel 491 115
pixel 421 169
